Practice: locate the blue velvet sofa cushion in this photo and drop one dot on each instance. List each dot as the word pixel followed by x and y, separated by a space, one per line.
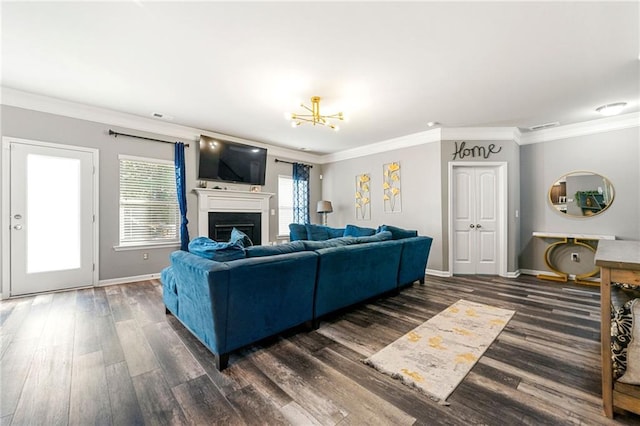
pixel 259 251
pixel 220 252
pixel 380 236
pixel 321 232
pixel 354 273
pixel 357 231
pixel 297 232
pixel 334 242
pixel 398 233
pixel 335 232
pixel 316 232
pixel 238 235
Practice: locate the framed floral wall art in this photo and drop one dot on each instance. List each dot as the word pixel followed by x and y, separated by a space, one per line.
pixel 363 196
pixel 392 196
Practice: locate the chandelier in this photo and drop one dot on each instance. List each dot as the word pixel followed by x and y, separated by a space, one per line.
pixel 314 117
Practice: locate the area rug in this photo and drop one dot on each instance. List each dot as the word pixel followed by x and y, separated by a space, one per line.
pixel 437 355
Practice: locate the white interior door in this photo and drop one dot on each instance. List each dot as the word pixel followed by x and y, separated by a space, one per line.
pixel 475 236
pixel 51 218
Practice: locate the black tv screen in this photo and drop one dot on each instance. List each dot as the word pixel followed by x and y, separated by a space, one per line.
pixel 231 162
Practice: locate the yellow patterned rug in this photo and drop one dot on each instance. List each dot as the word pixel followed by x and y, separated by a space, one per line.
pixel 437 355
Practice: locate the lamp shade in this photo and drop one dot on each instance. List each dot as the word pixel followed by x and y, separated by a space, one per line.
pixel 324 207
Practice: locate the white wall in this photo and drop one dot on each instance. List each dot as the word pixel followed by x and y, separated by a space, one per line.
pixel 421 193
pixel 114 265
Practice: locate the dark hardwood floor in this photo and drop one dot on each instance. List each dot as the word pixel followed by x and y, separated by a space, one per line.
pixel 110 355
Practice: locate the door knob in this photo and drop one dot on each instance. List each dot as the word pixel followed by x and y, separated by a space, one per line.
pixel 478 226
pixel 472 226
pixel 17 227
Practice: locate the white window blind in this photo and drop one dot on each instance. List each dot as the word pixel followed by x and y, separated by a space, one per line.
pixel 149 211
pixel 285 204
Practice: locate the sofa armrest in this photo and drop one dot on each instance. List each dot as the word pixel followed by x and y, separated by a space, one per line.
pixel 413 262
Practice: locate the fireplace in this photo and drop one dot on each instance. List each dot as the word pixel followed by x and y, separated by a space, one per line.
pixel 247 211
pixel 221 224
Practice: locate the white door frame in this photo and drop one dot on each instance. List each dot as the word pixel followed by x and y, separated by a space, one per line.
pixel 5 287
pixel 503 212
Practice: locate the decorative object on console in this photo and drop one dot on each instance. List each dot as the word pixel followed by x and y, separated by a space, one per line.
pixel 363 196
pixel 324 208
pixel 315 117
pixel 392 197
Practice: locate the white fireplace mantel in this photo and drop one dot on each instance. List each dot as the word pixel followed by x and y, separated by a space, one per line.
pixel 220 200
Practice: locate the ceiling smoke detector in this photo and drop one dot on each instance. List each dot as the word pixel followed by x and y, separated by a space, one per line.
pixel 544 126
pixel 611 109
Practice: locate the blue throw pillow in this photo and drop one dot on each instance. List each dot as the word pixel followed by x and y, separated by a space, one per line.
pixel 316 232
pixel 220 252
pixel 238 235
pixel 260 251
pixel 398 233
pixel 356 231
pixel 297 232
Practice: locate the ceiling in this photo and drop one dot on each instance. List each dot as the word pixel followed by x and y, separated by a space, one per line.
pixel 235 68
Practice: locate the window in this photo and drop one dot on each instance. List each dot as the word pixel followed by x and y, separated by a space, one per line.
pixel 285 204
pixel 149 211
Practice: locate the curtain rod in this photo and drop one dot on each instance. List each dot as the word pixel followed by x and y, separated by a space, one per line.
pixel 290 162
pixel 116 134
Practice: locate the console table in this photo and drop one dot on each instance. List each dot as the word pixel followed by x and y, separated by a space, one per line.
pixel 577 239
pixel 620 262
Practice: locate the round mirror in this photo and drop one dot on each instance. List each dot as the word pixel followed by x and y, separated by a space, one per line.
pixel 581 194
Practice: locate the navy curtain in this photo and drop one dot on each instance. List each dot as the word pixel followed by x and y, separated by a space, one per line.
pixel 181 183
pixel 301 193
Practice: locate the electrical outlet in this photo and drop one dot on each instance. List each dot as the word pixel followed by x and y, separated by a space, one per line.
pixel 145 256
pixel 575 257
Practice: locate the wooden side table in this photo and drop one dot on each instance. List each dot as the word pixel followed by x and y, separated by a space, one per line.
pixel 619 261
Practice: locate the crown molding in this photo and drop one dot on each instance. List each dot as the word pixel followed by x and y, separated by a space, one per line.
pixel 407 141
pixel 481 133
pixel 607 124
pixel 46 104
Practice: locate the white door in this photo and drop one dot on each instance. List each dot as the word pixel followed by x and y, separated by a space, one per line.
pixel 475 220
pixel 51 218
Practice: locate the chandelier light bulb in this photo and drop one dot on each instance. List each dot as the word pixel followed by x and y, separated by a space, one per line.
pixel 294 124
pixel 287 116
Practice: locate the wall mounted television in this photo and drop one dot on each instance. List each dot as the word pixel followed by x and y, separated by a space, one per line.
pixel 221 160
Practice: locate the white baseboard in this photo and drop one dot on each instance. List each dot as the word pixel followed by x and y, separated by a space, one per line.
pixel 125 280
pixel 515 274
pixel 438 273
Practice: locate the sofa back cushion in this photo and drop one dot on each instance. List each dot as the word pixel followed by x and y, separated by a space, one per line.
pixel 220 252
pixel 334 242
pixel 380 236
pixel 398 233
pixel 316 232
pixel 260 251
pixel 357 231
pixel 297 232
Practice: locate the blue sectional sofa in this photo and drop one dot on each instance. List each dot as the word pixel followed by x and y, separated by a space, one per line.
pixel 233 303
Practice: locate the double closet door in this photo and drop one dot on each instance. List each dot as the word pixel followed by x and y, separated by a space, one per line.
pixel 475 220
